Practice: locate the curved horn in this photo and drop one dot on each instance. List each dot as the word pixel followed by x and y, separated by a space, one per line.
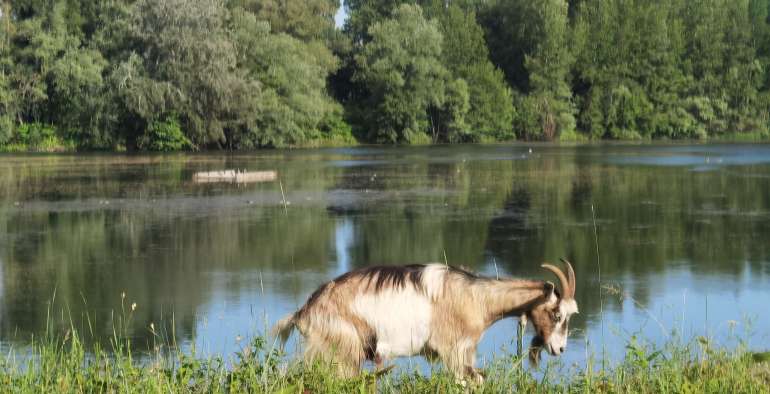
pixel 565 287
pixel 571 277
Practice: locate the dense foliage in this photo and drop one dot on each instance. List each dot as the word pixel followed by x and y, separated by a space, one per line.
pixel 239 74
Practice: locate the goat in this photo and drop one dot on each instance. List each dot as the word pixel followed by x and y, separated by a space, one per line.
pixel 440 311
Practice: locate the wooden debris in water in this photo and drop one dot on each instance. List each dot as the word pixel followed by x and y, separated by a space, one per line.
pixel 234 176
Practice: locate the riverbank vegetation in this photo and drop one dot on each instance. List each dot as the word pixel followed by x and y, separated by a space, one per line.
pixel 242 74
pixel 63 365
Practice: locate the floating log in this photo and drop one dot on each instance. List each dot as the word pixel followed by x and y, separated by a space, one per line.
pixel 234 176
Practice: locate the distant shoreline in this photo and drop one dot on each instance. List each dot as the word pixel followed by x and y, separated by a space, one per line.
pixel 748 139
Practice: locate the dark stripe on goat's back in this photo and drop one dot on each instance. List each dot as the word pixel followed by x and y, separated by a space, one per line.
pixel 384 276
pixel 395 276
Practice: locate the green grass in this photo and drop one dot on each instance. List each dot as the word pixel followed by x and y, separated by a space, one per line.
pixel 64 364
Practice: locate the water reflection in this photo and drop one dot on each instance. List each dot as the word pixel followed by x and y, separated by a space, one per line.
pixel 213 263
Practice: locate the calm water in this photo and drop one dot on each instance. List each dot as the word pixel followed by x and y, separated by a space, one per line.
pixel 683 237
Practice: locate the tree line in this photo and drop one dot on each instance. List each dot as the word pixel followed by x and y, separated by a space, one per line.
pixel 242 74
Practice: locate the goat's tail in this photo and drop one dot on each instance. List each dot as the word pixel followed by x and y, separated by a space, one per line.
pixel 284 327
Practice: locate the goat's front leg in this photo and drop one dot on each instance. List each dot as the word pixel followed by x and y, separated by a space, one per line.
pixel 456 345
pixel 520 335
pixel 470 370
pixel 460 359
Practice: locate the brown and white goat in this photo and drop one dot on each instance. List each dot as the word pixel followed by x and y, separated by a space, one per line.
pixel 379 313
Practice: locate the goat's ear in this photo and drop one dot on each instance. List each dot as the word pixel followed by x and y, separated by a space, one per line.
pixel 549 288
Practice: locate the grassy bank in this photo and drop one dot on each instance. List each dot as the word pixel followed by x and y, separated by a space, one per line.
pixel 64 365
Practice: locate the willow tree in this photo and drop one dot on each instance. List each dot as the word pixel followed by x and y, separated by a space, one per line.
pixel 667 69
pixel 183 67
pixel 7 99
pixel 529 41
pixel 49 75
pixel 306 20
pixel 613 100
pixel 291 73
pixel 407 83
pixel 465 54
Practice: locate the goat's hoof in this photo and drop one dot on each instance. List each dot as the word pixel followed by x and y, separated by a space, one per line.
pixel 461 382
pixel 478 377
pixel 474 377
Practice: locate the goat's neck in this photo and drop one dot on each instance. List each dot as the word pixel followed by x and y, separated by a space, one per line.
pixel 509 297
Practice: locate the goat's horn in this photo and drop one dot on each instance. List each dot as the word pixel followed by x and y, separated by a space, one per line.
pixel 571 277
pixel 565 287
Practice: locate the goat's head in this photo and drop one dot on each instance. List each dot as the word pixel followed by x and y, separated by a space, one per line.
pixel 551 317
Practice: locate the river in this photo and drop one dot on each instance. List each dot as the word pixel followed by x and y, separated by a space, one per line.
pixel 682 233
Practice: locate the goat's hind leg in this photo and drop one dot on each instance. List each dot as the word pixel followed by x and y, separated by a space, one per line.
pixel 343 357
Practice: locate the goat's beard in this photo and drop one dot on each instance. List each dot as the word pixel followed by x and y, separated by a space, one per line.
pixel 535 347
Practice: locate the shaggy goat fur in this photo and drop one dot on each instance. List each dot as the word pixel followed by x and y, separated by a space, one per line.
pixel 378 313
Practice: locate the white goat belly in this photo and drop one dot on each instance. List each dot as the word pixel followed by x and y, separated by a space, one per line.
pixel 400 318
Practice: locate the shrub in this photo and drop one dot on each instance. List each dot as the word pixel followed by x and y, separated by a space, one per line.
pixel 32 137
pixel 164 136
